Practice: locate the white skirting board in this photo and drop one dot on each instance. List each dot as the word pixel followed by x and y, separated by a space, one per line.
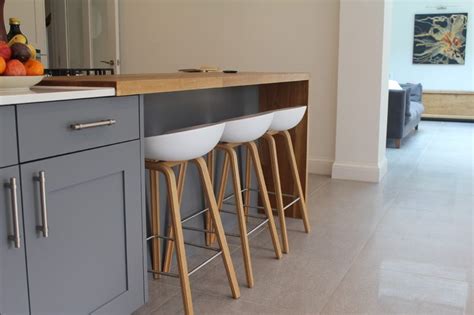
pixel 320 166
pixel 360 172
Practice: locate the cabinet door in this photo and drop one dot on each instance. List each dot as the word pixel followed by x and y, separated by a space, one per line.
pixel 13 285
pixel 91 261
pixel 8 142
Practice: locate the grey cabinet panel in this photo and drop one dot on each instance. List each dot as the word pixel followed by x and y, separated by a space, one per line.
pixel 8 144
pixel 92 261
pixel 44 129
pixel 13 282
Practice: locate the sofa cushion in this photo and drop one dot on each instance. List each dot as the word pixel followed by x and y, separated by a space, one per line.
pixel 416 109
pixel 416 94
pixel 407 101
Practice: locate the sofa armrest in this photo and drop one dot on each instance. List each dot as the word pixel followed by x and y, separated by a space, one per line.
pixel 396 113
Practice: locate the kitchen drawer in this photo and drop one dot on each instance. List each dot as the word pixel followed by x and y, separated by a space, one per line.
pixel 45 129
pixel 8 144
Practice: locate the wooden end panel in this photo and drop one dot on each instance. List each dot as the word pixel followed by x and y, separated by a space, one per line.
pixel 277 96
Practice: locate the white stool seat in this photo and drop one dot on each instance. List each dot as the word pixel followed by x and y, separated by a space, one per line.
pixel 184 144
pixel 287 118
pixel 246 128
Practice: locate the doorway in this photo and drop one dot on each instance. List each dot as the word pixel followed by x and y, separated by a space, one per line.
pixel 83 34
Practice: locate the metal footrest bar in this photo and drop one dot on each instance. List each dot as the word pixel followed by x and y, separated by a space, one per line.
pixel 272 193
pixel 262 208
pixel 192 216
pixel 197 229
pixel 249 232
pixel 205 262
pixel 257 227
pixel 168 274
pixel 185 243
pixel 247 215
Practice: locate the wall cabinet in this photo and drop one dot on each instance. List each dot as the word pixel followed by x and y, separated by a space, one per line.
pixel 80 228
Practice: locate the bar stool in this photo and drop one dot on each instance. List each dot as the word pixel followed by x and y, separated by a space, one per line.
pixel 162 153
pixel 243 131
pixel 284 120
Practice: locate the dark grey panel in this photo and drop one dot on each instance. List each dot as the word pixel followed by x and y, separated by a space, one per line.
pixel 92 260
pixel 13 283
pixel 8 144
pixel 168 111
pixel 44 129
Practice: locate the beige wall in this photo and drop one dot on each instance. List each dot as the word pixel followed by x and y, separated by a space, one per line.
pixel 256 35
pixel 32 16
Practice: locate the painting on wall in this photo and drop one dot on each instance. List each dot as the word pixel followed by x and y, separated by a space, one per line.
pixel 440 39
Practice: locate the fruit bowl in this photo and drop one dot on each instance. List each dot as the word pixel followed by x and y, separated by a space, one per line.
pixel 19 83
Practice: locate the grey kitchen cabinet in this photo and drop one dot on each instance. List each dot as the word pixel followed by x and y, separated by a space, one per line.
pixel 90 261
pixel 13 282
pixel 55 128
pixel 8 146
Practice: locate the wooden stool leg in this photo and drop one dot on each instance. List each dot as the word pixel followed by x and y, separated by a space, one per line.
pixel 247 183
pixel 234 166
pixel 179 239
pixel 222 188
pixel 216 219
pixel 278 194
pixel 170 234
pixel 155 222
pixel 297 181
pixel 266 201
pixel 208 217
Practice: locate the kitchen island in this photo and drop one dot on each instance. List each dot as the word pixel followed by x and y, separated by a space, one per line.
pixel 73 203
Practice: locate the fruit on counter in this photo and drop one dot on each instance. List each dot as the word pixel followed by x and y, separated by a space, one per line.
pixel 20 38
pixel 5 51
pixel 15 68
pixel 34 67
pixel 20 52
pixel 32 51
pixel 3 65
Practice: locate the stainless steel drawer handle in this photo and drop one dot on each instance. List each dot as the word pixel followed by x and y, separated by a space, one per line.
pixel 15 238
pixel 44 208
pixel 101 123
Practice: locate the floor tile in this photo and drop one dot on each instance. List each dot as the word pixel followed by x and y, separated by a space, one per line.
pixel 403 246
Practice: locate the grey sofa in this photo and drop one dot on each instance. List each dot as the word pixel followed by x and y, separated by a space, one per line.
pixel 404 111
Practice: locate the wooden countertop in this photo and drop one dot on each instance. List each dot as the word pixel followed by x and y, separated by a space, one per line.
pixel 132 84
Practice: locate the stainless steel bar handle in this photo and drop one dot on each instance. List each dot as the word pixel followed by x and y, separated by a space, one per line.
pixel 15 238
pixel 44 208
pixel 101 123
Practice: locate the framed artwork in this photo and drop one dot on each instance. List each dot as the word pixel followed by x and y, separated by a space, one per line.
pixel 440 39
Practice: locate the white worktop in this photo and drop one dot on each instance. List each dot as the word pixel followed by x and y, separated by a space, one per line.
pixel 52 93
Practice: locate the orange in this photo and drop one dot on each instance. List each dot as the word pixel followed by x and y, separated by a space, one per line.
pixel 34 67
pixel 3 65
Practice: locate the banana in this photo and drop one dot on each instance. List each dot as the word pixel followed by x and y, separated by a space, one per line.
pixel 18 39
pixel 32 51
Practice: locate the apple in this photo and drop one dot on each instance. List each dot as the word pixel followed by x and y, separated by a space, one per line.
pixel 5 51
pixel 15 68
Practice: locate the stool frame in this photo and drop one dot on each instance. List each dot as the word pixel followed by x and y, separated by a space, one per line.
pixel 175 190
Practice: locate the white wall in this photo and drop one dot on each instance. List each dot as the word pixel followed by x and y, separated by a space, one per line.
pixel 362 90
pixel 433 77
pixel 257 35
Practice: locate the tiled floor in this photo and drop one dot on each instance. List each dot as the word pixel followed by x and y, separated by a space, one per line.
pixel 404 246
